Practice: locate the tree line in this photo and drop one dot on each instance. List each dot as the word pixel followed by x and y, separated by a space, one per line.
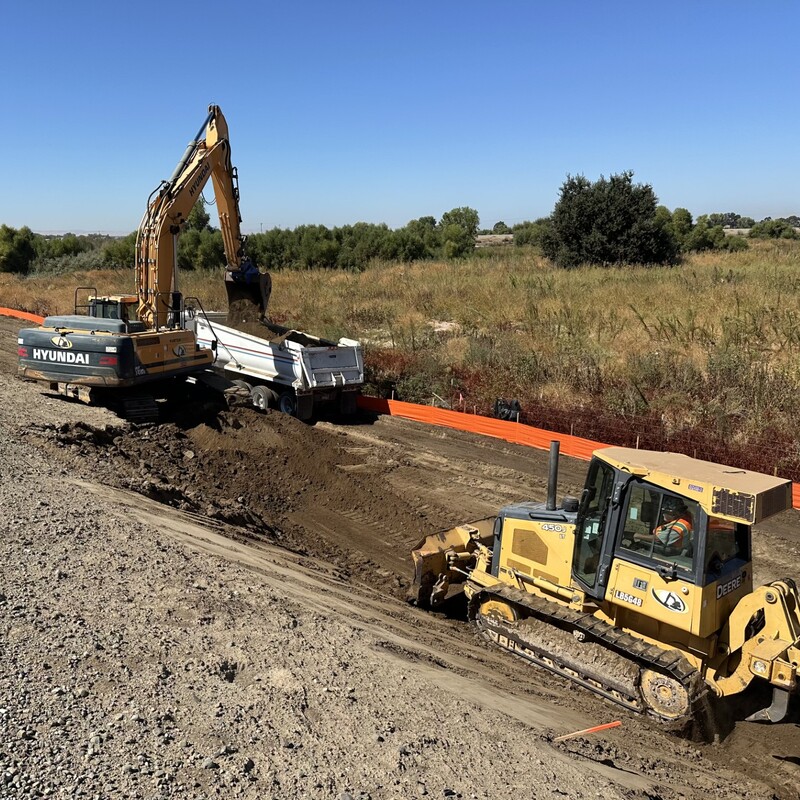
pixel 609 221
pixel 616 221
pixel 200 245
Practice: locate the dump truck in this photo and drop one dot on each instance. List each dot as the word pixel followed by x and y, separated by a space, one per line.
pixel 283 368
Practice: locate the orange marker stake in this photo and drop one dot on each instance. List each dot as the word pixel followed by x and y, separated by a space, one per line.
pixel 588 730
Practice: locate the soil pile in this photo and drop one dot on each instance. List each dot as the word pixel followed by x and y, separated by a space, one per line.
pixel 269 474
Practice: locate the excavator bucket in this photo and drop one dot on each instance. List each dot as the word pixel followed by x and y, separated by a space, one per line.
pixel 247 298
pixel 441 559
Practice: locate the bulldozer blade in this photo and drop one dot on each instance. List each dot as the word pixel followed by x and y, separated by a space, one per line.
pixel 777 711
pixel 247 300
pixel 434 557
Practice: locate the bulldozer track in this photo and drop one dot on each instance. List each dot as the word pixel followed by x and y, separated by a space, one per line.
pixel 511 637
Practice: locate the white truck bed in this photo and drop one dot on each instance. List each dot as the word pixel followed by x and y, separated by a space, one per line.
pixel 287 361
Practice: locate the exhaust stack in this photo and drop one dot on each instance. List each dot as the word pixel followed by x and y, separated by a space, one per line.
pixel 552 476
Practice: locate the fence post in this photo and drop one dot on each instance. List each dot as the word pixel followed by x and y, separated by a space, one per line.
pixel 637 441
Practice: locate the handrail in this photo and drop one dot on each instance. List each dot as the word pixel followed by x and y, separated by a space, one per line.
pixel 211 328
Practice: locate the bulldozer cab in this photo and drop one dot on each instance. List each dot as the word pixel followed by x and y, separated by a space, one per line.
pixel 668 538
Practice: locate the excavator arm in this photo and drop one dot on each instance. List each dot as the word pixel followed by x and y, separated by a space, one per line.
pixel 207 156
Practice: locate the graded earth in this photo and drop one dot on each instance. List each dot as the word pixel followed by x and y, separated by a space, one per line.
pixel 215 607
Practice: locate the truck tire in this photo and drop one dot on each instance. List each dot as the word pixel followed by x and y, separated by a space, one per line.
pixel 263 398
pixel 348 403
pixel 305 407
pixel 287 402
pixel 244 385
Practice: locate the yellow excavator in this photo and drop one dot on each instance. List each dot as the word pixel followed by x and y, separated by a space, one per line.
pixel 130 350
pixel 641 590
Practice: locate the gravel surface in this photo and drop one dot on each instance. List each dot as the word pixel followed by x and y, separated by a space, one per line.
pixel 163 637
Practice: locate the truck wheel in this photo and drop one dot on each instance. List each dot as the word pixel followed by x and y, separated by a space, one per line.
pixel 348 403
pixel 305 407
pixel 263 398
pixel 244 385
pixel 287 403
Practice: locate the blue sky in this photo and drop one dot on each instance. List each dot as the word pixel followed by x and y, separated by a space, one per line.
pixel 352 111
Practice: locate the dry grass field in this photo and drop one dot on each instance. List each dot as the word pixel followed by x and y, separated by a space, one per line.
pixel 705 355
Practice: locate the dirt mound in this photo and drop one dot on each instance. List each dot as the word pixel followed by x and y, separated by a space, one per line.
pixel 266 473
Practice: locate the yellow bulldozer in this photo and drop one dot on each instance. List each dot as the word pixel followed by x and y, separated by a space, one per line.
pixel 641 590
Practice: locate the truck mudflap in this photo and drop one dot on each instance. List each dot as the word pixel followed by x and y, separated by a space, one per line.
pixel 441 561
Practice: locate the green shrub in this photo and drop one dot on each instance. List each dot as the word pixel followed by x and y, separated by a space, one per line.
pixel 610 221
pixel 773 229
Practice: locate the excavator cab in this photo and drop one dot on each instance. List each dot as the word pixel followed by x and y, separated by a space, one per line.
pixel 121 307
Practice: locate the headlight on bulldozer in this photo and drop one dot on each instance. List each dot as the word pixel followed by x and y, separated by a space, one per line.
pixel 759 667
pixel 778 672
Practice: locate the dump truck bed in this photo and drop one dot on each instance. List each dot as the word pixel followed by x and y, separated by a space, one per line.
pixel 282 356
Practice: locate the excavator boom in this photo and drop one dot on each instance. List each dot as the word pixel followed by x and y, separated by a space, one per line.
pixel 207 156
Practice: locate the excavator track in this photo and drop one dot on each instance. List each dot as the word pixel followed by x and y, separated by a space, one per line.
pixel 645 678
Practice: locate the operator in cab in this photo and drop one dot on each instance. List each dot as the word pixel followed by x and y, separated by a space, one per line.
pixel 676 528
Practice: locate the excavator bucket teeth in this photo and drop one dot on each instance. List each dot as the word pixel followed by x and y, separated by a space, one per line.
pixel 247 300
pixel 777 711
pixel 436 556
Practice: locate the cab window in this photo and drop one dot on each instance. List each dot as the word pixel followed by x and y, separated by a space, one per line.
pixel 660 526
pixel 727 547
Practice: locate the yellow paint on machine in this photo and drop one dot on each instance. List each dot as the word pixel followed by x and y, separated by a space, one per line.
pixel 164 352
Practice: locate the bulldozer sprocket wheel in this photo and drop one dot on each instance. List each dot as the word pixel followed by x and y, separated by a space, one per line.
pixel 664 695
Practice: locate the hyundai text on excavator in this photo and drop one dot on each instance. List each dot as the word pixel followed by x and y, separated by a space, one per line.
pixel 594 590
pixel 129 350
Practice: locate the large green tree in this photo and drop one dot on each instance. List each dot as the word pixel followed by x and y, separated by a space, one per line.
pixel 199 219
pixel 610 221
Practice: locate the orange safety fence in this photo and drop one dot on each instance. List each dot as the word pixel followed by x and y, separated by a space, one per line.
pixel 486 426
pixel 513 432
pixel 12 312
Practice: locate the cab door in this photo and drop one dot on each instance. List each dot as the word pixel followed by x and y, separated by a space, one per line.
pixel 652 586
pixel 597 515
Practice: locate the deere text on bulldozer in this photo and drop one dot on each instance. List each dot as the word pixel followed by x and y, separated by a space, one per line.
pixel 640 591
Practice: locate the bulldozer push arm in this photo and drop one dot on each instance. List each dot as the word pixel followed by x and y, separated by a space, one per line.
pixel 208 155
pixel 771 653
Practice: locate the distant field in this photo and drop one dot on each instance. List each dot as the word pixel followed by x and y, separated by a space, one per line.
pixel 705 355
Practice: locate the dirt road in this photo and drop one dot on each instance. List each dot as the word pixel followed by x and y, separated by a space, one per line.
pixel 215 608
